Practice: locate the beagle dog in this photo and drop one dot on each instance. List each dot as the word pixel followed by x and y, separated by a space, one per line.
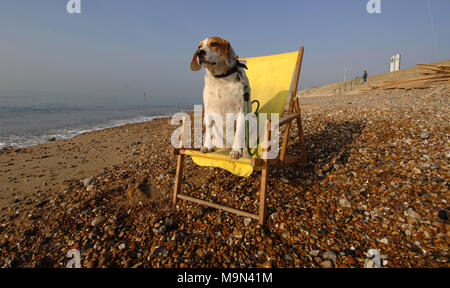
pixel 223 94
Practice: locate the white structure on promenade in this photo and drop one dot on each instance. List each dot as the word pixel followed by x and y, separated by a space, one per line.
pixel 395 63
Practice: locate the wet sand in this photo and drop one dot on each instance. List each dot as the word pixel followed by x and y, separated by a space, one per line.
pixel 44 168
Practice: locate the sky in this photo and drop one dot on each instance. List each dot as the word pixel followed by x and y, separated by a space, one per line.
pixel 116 50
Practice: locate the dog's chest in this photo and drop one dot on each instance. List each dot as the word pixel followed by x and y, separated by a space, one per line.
pixel 223 95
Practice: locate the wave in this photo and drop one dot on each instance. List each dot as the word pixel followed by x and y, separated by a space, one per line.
pixel 31 139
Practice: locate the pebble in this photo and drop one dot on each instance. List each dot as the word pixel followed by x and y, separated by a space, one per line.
pixel 200 252
pixel 447 154
pixel 349 260
pixel 163 228
pixel 238 233
pixel 30 232
pixel 99 220
pixel 443 214
pixel 9 262
pixel 425 166
pixel 434 166
pixel 412 214
pixel 87 182
pixel 200 211
pixel 90 264
pixel 247 221
pixel 425 135
pixel 103 259
pixel 329 255
pixel 344 203
pixel 384 241
pixel 326 264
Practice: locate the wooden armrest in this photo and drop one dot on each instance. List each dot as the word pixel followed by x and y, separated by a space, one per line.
pixel 288 118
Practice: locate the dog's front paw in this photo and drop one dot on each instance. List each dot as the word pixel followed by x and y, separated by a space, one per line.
pixel 207 150
pixel 235 154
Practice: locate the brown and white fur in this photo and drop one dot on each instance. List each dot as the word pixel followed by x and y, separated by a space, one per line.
pixel 221 95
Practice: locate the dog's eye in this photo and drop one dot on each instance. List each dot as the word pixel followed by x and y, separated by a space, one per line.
pixel 214 44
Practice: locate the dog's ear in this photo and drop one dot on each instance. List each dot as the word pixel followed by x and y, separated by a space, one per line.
pixel 194 63
pixel 230 55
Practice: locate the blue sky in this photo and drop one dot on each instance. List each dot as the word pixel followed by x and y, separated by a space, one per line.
pixel 116 49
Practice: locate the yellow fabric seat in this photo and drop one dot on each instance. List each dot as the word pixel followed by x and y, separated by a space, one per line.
pixel 220 158
pixel 270 80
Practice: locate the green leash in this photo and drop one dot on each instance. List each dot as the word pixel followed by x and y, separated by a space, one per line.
pixel 247 99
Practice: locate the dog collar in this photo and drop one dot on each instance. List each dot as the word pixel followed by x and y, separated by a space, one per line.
pixel 232 70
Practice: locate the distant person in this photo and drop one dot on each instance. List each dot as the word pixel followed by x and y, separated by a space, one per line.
pixel 365 76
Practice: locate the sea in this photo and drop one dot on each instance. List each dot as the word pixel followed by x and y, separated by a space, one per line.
pixel 27 121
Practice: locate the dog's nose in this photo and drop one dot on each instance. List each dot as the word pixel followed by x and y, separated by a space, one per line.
pixel 201 52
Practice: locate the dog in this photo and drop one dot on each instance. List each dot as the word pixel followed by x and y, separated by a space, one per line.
pixel 223 93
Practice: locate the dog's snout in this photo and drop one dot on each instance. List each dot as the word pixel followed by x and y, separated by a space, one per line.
pixel 201 52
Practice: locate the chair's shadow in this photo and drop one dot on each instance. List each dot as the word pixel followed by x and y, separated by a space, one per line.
pixel 326 147
pixel 327 144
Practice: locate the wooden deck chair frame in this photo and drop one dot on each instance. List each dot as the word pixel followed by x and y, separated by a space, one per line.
pixel 285 121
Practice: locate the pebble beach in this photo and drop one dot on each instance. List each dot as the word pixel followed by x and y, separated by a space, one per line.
pixel 376 184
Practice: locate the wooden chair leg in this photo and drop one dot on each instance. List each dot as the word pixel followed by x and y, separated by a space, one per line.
pixel 300 131
pixel 178 177
pixel 264 177
pixel 285 142
pixel 263 193
pixel 302 141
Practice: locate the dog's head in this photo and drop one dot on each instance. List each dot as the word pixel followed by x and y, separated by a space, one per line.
pixel 214 54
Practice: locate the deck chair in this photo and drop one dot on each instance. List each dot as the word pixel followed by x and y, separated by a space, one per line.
pixel 270 80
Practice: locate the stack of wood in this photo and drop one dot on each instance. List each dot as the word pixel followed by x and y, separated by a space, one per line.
pixel 431 74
